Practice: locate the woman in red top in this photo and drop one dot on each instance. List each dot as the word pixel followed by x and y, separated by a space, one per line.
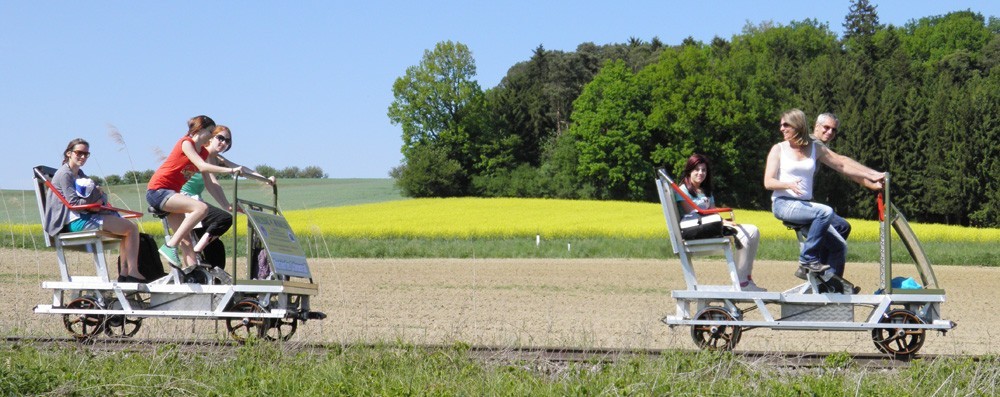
pixel 186 158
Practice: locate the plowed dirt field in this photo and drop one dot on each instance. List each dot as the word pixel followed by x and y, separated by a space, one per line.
pixel 615 303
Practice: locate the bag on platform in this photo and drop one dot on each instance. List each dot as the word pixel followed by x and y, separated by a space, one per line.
pixel 150 265
pixel 702 226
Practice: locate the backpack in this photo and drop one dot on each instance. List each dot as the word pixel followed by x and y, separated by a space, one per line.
pixel 150 265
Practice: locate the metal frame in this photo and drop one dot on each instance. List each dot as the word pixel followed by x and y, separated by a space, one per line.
pixel 801 307
pixel 283 302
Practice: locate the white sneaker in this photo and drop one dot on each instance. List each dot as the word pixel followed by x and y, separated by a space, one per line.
pixel 752 287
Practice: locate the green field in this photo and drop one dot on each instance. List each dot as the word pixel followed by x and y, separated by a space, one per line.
pixel 293 194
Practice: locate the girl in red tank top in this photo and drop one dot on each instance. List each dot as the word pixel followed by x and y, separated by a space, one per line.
pixel 186 158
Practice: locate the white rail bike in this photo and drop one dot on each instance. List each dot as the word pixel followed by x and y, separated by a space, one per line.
pixel 718 315
pixel 267 303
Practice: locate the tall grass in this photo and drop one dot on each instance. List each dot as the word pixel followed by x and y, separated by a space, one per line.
pixel 275 369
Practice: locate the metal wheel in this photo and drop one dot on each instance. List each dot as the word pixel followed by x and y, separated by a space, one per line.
pixel 243 328
pixel 281 328
pixel 714 336
pixel 899 342
pixel 121 326
pixel 82 326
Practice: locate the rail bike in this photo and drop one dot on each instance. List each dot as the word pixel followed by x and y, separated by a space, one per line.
pixel 718 315
pixel 268 303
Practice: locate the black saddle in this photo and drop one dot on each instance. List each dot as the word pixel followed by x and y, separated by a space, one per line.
pixel 157 213
pixel 795 226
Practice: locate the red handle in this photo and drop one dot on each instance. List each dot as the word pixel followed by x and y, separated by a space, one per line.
pixel 881 207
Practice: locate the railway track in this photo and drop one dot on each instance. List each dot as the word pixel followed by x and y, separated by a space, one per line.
pixel 538 355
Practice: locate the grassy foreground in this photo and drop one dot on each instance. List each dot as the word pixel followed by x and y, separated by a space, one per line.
pixel 267 369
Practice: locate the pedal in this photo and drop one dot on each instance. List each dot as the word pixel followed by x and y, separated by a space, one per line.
pixel 315 315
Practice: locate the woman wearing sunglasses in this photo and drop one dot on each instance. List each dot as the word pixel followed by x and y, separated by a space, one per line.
pixel 790 172
pixel 217 221
pixel 70 181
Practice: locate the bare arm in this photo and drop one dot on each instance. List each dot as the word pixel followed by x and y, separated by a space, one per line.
pixel 864 176
pixel 213 187
pixel 188 148
pixel 771 181
pixel 246 171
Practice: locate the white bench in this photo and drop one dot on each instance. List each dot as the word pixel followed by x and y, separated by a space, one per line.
pixel 686 249
pixel 91 241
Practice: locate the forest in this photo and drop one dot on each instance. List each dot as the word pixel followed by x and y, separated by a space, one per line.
pixel 919 101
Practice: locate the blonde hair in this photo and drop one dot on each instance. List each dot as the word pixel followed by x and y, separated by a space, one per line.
pixel 797 119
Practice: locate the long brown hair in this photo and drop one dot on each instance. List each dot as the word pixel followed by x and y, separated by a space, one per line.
pixel 692 163
pixel 72 144
pixel 198 123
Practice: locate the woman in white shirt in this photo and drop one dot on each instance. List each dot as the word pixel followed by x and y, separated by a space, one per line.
pixel 790 171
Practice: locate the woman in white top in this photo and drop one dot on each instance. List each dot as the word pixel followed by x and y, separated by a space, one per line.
pixel 791 168
pixel 696 182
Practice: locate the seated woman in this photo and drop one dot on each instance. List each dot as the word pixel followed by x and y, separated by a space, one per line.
pixel 59 218
pixel 790 171
pixel 696 182
pixel 186 158
pixel 217 221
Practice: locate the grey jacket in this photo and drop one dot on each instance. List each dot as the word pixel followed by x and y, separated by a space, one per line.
pixel 56 214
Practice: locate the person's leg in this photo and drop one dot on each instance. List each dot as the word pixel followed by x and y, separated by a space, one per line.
pixel 841 225
pixel 745 256
pixel 835 248
pixel 816 215
pixel 130 243
pixel 184 215
pixel 181 204
pixel 217 222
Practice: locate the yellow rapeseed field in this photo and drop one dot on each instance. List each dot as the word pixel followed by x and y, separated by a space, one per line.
pixel 508 217
pixel 513 218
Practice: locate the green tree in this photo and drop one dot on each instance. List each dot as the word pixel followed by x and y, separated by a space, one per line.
pixel 428 172
pixel 266 170
pixel 613 142
pixel 438 104
pixel 113 180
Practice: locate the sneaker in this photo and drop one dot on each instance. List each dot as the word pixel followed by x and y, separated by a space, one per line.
pixel 801 273
pixel 752 287
pixel 814 266
pixel 170 254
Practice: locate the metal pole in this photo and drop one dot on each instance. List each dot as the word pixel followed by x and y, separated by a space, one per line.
pixel 236 190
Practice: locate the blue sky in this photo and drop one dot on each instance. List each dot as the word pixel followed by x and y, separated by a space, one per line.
pixel 307 82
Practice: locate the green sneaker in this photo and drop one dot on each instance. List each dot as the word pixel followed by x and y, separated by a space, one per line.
pixel 170 254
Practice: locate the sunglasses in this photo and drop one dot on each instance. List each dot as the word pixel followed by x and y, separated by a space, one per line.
pixel 786 125
pixel 222 139
pixel 81 153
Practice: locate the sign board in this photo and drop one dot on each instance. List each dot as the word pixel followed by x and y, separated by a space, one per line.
pixel 286 254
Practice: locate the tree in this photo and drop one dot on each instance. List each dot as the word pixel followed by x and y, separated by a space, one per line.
pixel 266 170
pixel 438 104
pixel 613 143
pixel 429 172
pixel 861 21
pixel 113 180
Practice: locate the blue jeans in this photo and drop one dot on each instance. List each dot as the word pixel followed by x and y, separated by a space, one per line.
pixel 823 241
pixel 835 253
